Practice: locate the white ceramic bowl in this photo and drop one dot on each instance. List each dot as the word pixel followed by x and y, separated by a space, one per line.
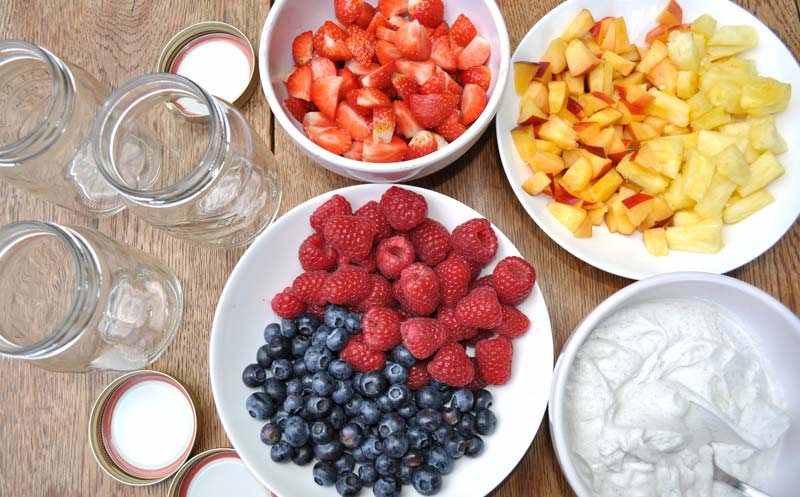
pixel 772 327
pixel 289 18
pixel 743 241
pixel 270 264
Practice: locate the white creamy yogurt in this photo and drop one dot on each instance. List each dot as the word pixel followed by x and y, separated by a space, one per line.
pixel 660 388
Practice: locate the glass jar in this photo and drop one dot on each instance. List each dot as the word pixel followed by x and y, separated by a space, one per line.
pixel 72 300
pixel 204 175
pixel 47 109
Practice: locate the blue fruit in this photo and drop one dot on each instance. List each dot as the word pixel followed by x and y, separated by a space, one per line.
pixel 318 407
pixel 474 446
pixel 254 376
pixel 463 400
pixel 288 328
pixel 485 422
pixel 368 474
pixel 329 452
pixel 271 433
pixel 387 466
pixel 348 484
pixel 260 405
pixel 294 387
pixel 413 458
pixel 343 392
pixel 293 404
pixel 451 416
pixel 353 408
pixel 262 357
pixel 340 370
pixel 303 455
pixel 429 398
pixel 281 452
pixel 426 480
pixel 271 331
pixel 299 367
pixel 296 431
pixel 384 404
pixel 351 435
pixel 466 426
pixel 279 347
pixel 370 412
pixel 395 445
pixel 352 323
pixel 337 417
pixel 299 345
pixel 335 316
pixel 405 475
pixel 308 381
pixel 322 432
pixel 408 410
pixel 483 400
pixel 345 464
pixel 402 356
pixel 372 447
pixel 454 446
pixel 320 337
pixel 282 369
pixel 398 395
pixel 442 433
pixel 276 389
pixel 324 474
pixel 337 339
pixel 395 373
pixel 386 486
pixel 307 324
pixel 280 417
pixel 391 423
pixel 418 438
pixel 323 384
pixel 372 385
pixel 439 459
pixel 428 419
pixel 317 358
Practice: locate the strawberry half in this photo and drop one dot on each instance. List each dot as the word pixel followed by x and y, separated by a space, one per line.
pixel 418 71
pixel 334 140
pixel 375 151
pixel 431 110
pixel 428 12
pixel 451 128
pixel 361 44
pixel 378 21
pixel 349 82
pixel 391 8
pixel 405 86
pixel 442 54
pixel 299 83
pixel 355 151
pixel 422 144
pixel 413 42
pixel 369 98
pixel 475 54
pixel 386 52
pixel 383 122
pixel 463 31
pixel 298 107
pixel 329 41
pixel 435 84
pixel 380 78
pixel 347 118
pixel 325 95
pixel 347 11
pixel 322 67
pixel 479 75
pixel 473 101
pixel 407 124
pixel 386 34
pixel 303 48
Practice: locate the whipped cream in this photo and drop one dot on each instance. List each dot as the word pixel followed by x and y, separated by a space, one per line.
pixel 661 388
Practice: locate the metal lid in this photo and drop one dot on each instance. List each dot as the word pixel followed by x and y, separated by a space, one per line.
pixel 142 427
pixel 214 473
pixel 216 56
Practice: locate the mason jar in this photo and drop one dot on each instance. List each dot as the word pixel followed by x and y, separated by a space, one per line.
pixel 74 300
pixel 204 175
pixel 47 109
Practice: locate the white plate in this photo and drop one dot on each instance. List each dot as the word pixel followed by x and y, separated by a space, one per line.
pixel 626 255
pixel 270 264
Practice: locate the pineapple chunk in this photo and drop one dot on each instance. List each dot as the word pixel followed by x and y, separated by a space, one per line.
pixel 704 25
pixel 546 162
pixel 569 215
pixel 697 174
pixel 764 136
pixel 732 165
pixel 663 155
pixel 723 93
pixel 711 143
pixel 714 118
pixel 738 129
pixel 676 195
pixel 577 176
pixel 687 84
pixel 669 108
pixel 684 218
pixel 525 141
pixel 743 37
pixel 698 105
pixel 652 183
pixel 683 51
pixel 704 237
pixel 717 195
pixel 559 132
pixel 536 183
pixel 605 187
pixel 746 206
pixel 763 171
pixel 762 96
pixel 655 240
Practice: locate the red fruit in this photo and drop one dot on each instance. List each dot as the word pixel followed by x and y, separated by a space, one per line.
pixel 513 279
pixel 287 305
pixel 454 277
pixel 298 107
pixel 347 11
pixel 413 42
pixel 478 381
pixel 349 119
pixel 407 124
pixel 315 254
pixel 480 308
pixel 386 52
pixel 378 20
pixel 457 331
pixel 422 144
pixel 480 335
pixel 478 75
pixel 347 285
pixel 360 357
pixel 475 240
pixel 381 328
pixel 428 12
pixel 322 67
pixel 336 205
pixel 405 86
pixel 514 324
pixel 358 69
pixel 394 255
pixel 418 71
pixel 484 281
pixel 299 83
pixel 474 54
pixel 383 124
pixel 361 44
pixel 431 242
pixel 419 287
pixel 451 365
pixel 463 31
pixel 391 8
pixel 431 110
pixel 317 310
pixel 473 101
pixel 442 54
pixel 387 34
pixel 369 98
pixel 351 236
pixel 380 295
pixel 355 151
pixel 477 268
pixel 494 360
pixel 451 128
pixel 303 48
pixel 423 336
pixel 315 120
pixel 334 140
pixel 372 211
pixel 404 208
pixel 365 15
pixel 418 376
pixel 308 287
pixel 329 41
pixel 375 151
pixel 349 82
pixel 441 30
pixel 325 95
pixel 380 78
pixel 435 84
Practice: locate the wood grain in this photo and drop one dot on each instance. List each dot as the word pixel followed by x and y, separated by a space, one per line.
pixel 45 452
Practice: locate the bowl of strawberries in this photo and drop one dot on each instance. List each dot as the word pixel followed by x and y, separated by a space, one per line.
pixel 388 92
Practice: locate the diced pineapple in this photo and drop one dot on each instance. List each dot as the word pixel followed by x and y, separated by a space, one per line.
pixel 711 143
pixel 746 206
pixel 722 52
pixel 556 55
pixel 725 94
pixel 717 195
pixel 697 174
pixel 763 96
pixel 763 171
pixel 663 155
pixel 683 51
pixel 652 183
pixel 577 176
pixel 764 136
pixel 546 162
pixel 732 165
pixel 698 105
pixel 687 84
pixel 738 129
pixel 536 183
pixel 712 119
pixel 569 215
pixel 684 218
pixel 557 94
pixel 557 131
pixel 676 195
pixel 669 108
pixel 704 25
pixel 602 189
pixel 704 237
pixel 738 36
pixel 655 240
pixel 525 141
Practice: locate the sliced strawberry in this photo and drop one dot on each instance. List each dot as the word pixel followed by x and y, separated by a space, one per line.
pixel 440 141
pixel 352 101
pixel 478 75
pixel 349 82
pixel 349 119
pixel 391 8
pixel 407 124
pixel 405 86
pixel 358 69
pixel 413 42
pixel 451 128
pixel 380 78
pixel 386 34
pixel 383 123
pixel 365 15
pixel 386 52
pixel 441 30
pixel 325 95
pixel 303 48
pixel 370 98
pixel 378 21
pixel 361 44
pixel 316 120
pixel 398 21
pixel 347 11
pixel 355 151
pixel 329 41
pixel 452 86
pixel 299 83
pixel 475 54
pixel 332 139
pixel 418 71
pixel 435 84
pixel 473 101
pixel 463 31
pixel 428 12
pixel 431 110
pixel 298 107
pixel 322 67
pixel 375 151
pixel 422 144
pixel 442 54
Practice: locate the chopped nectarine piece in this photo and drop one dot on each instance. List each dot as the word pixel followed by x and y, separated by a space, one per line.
pixel 672 15
pixel 523 75
pixel 557 95
pixel 585 228
pixel 569 215
pixel 557 131
pixel 529 112
pixel 579 26
pixel 556 55
pixel 547 162
pixel 524 141
pixel 620 64
pixel 577 176
pixel 602 189
pixel 657 53
pixel 536 183
pixel 579 59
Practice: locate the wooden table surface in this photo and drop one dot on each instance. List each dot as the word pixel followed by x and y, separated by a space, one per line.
pixel 45 452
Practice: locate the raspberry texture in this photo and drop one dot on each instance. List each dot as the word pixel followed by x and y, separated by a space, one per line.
pixel 317 310
pixel 369 263
pixel 394 254
pixel 423 336
pixel 316 255
pixel 431 242
pixel 514 324
pixel 419 288
pixel 347 285
pixel 287 305
pixel 380 295
pixel 381 328
pixel 513 279
pixel 451 365
pixel 351 236
pixel 483 281
pixel 333 206
pixel 480 309
pixel 454 278
pixel 360 357
pixel 372 211
pixel 475 240
pixel 404 209
pixel 479 336
pixel 308 287
pixel 494 360
pixel 478 382
pixel 418 376
pixel 457 331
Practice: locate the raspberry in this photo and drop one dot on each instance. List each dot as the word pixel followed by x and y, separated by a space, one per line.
pixel 431 242
pixel 452 366
pixel 287 305
pixel 334 205
pixel 479 336
pixel 317 310
pixel 394 254
pixel 419 287
pixel 483 281
pixel 418 376
pixel 348 285
pixel 403 208
pixel 514 324
pixel 457 331
pixel 475 268
pixel 380 295
pixel 381 328
pixel 480 309
pixel 308 287
pixel 513 280
pixel 423 336
pixel 361 357
pixel 478 382
pixel 316 255
pixel 369 264
pixel 454 278
pixel 372 211
pixel 475 240
pixel 351 236
pixel 404 314
pixel 494 360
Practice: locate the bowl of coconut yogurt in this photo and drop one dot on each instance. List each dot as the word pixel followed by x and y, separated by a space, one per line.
pixel 671 374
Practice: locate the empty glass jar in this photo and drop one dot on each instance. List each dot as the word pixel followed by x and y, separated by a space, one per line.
pixel 73 300
pixel 47 109
pixel 201 174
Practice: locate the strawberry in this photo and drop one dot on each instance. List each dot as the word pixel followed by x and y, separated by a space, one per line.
pixel 322 67
pixel 419 287
pixel 418 376
pixel 475 240
pixel 475 54
pixel 355 152
pixel 451 128
pixel 494 360
pixel 442 54
pixel 478 75
pixel 394 255
pixel 435 84
pixel 360 70
pixel 303 48
pixel 407 124
pixel 413 42
pixel 382 124
pixel 352 101
pixel 404 208
pixel 370 98
pixel 348 119
pixel 347 11
pixel 375 151
pixel 286 304
pixel 336 205
pixel 315 254
pixel 381 328
pixel 454 276
pixel 423 336
pixel 299 83
pixel 480 308
pixel 308 287
pixel 378 20
pixel 398 22
pixel 423 143
pixel 418 71
pixel 380 78
pixel 365 15
pixel 360 357
pixel 325 95
pixel 514 324
pixel 441 30
pixel 473 101
pixel 456 331
pixel 361 44
pixel 513 279
pixel 431 110
pixel 405 86
pixel 380 295
pixel 428 12
pixel 329 41
pixel 347 285
pixel 298 107
pixel 334 140
pixel 372 211
pixel 452 86
pixel 463 31
pixel 349 82
pixel 315 120
pixel 351 236
pixel 386 34
pixel 452 366
pixel 391 8
pixel 386 52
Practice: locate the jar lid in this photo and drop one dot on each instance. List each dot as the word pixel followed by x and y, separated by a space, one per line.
pixel 216 56
pixel 142 427
pixel 214 473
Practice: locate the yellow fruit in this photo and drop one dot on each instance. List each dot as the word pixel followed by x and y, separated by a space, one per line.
pixel 557 131
pixel 620 64
pixel 712 119
pixel 524 141
pixel 697 174
pixel 523 74
pixel 606 117
pixel 605 187
pixel 577 176
pixel 556 55
pixel 663 155
pixel 683 218
pixel 704 237
pixel 658 52
pixel 717 195
pixel 734 36
pixel 687 84
pixel 704 25
pixel 763 96
pixel 652 183
pixel 579 26
pixel 579 59
pixel 676 195
pixel 763 171
pixel 557 95
pixel 764 136
pixel 536 183
pixel 698 105
pixel 655 240
pixel 682 51
pixel 669 108
pixel 569 215
pixel 746 206
pixel 732 165
pixel 711 143
pixel 596 214
pixel 546 162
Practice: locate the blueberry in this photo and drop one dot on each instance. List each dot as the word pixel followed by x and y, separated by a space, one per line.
pixel 384 404
pixel 426 480
pixel 438 385
pixel 342 393
pixel 398 395
pixel 418 438
pixel 254 376
pixel 372 447
pixel 296 431
pixel 351 435
pixel 308 381
pixel 348 484
pixel 353 407
pixel 263 358
pixel 442 433
pixel 387 466
pixel 271 331
pixel 402 356
pixel 429 398
pixel 463 400
pixel 359 456
pixel 288 328
pixel 467 425
pixel 321 432
pixel 299 345
pixel 454 446
pixel 329 452
pixel 281 452
pixel 318 407
pixel 307 324
pixel 340 370
pixel 372 385
pixel 337 418
pixel 282 369
pixel 395 445
pixel 294 387
pixel 485 422
pixel 280 417
pixel 447 396
pixel 405 475
pixel 271 433
pixel 293 404
pixel 276 389
pixel 386 487
pixel 323 384
pixel 360 421
pixel 260 405
pixel 352 323
pixel 335 316
pixel 483 400
pixel 439 459
pixel 413 458
pixel 303 455
pixel 337 339
pixel 320 337
pixel 395 373
pixel 451 416
pixel 474 446
pixel 279 347
pixel 370 411
pixel 324 474
pixel 317 359
pixel 390 423
pixel 345 464
pixel 368 474
pixel 428 419
pixel 299 368
pixel 408 410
